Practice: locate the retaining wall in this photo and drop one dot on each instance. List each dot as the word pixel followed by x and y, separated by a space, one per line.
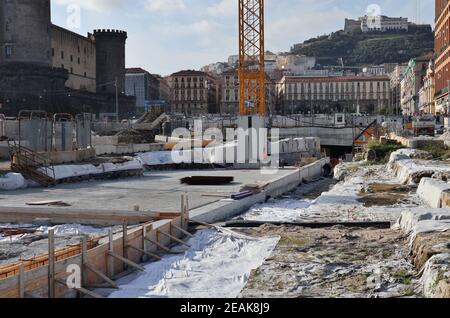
pixel 109 145
pixel 226 209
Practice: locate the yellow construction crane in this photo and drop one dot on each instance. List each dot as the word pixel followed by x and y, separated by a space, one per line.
pixel 251 58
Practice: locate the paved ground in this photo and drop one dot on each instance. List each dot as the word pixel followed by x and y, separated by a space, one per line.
pixel 156 191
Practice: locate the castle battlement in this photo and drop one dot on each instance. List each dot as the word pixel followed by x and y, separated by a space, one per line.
pixel 111 33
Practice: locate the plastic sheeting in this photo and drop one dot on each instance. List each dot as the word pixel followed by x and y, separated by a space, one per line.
pixel 288 210
pixel 218 265
pixel 12 181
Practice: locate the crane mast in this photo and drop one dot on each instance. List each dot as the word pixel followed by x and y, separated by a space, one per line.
pixel 251 58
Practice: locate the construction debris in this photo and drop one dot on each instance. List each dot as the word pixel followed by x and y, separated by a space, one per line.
pixel 133 136
pixel 48 203
pixel 207 180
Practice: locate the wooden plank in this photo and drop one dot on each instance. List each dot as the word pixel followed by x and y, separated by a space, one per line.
pixel 85 216
pixel 41 203
pixel 84 258
pixel 144 236
pixel 51 263
pixel 174 238
pixel 88 293
pixel 101 275
pixel 181 230
pixel 202 224
pixel 158 245
pixel 314 225
pixel 145 253
pixel 81 290
pixel 125 244
pixel 21 281
pixel 109 259
pixel 126 261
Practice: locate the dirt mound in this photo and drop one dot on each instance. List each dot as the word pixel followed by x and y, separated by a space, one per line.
pixel 132 136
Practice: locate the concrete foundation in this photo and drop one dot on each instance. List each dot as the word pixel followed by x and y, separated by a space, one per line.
pixel 109 145
pixel 62 157
pixel 432 191
pixel 225 209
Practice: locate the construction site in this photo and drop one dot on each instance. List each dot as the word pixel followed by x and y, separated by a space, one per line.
pixel 314 207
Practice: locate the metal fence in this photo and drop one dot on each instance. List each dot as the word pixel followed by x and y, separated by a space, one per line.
pixel 2 126
pixel 35 131
pixel 83 131
pixel 64 133
pixel 39 132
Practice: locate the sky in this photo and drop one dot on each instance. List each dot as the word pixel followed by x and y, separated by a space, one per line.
pixel 165 36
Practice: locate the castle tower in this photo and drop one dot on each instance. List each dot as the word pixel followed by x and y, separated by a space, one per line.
pixel 110 51
pixel 27 79
pixel 25 32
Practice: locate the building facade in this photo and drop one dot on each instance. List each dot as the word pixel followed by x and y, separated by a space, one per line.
pixel 229 103
pixel 193 93
pixel 442 56
pixel 164 90
pixel 137 84
pixel 149 89
pixel 427 103
pixel 76 54
pixel 411 83
pixel 395 77
pixel 383 23
pixel 352 94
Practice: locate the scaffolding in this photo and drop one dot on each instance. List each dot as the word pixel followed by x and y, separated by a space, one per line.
pixel 251 57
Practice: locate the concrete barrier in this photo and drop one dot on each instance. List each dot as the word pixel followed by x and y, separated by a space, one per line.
pixel 226 209
pixel 431 191
pixel 123 149
pixel 61 157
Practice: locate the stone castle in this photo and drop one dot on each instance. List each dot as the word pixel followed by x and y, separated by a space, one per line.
pixel 46 67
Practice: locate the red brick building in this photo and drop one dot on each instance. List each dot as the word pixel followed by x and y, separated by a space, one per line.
pixel 442 51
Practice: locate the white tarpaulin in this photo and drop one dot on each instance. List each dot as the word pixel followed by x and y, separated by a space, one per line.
pixel 217 265
pixel 12 181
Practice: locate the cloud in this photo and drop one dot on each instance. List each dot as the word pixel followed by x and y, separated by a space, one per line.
pixel 225 8
pixel 93 5
pixel 169 35
pixel 164 5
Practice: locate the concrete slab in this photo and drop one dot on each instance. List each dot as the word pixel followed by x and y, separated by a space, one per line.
pixel 154 191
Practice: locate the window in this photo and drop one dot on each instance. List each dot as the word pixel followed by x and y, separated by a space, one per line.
pixel 62 55
pixel 8 51
pixel 71 58
pixel 79 61
pixel 53 51
pixel 71 70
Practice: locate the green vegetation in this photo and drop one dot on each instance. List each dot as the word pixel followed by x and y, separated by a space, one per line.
pixel 360 48
pixel 403 277
pixel 440 277
pixel 438 151
pixel 383 151
pixel 292 241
